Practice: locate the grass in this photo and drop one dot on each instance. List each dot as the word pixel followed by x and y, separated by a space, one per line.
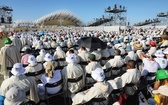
pixel 1 45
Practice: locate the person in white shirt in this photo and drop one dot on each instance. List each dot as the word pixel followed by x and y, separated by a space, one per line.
pixel 49 58
pixel 93 64
pixel 40 57
pixel 99 90
pixel 51 76
pixel 153 48
pixel 132 76
pixel 98 54
pixel 117 61
pixel 150 66
pixel 72 71
pixel 162 62
pixel 131 55
pixel 60 54
pixel 83 54
pixel 166 53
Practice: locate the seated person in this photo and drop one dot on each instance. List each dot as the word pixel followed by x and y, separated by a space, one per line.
pixel 117 61
pixel 99 90
pixel 72 71
pixel 24 58
pixel 33 66
pixel 49 58
pixel 50 76
pixel 132 74
pixel 161 80
pixel 162 62
pixel 18 79
pixel 60 54
pixel 92 65
pixel 40 57
pixel 150 66
pixel 16 96
pixel 162 93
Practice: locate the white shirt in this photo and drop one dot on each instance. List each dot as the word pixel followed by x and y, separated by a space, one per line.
pixel 56 77
pixel 117 61
pixel 131 76
pixel 149 67
pixel 131 56
pixel 162 62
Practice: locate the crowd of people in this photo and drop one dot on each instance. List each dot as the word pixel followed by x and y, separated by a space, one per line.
pixel 131 70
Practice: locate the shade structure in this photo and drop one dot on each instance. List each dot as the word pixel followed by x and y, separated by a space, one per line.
pixel 92 43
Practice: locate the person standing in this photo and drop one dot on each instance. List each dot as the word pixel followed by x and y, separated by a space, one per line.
pixel 9 55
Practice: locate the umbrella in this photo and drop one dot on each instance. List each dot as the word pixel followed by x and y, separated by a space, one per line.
pixel 41 32
pixel 92 43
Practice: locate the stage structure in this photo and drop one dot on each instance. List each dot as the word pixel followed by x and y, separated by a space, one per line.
pixel 117 14
pixel 152 22
pixel 163 17
pixel 5 15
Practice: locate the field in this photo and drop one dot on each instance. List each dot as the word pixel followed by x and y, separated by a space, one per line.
pixel 1 45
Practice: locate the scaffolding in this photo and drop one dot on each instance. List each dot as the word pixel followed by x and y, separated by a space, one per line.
pixel 118 15
pixel 6 15
pixel 163 17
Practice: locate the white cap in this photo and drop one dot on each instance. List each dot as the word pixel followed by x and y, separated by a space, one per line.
pixel 31 59
pixel 17 69
pixel 98 74
pixel 42 52
pixel 159 53
pixel 48 57
pixel 14 96
pixel 71 58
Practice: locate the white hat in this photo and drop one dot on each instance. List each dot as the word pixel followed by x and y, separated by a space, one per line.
pixel 165 51
pixel 159 53
pixel 98 74
pixel 42 52
pixel 58 48
pixel 48 57
pixel 71 58
pixel 161 90
pixel 14 96
pixel 17 69
pixel 15 35
pixel 31 59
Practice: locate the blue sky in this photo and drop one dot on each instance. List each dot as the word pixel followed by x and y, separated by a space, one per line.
pixel 137 10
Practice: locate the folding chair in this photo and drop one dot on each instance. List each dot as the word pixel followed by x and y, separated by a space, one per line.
pixel 83 64
pixel 123 69
pixel 110 57
pixel 29 103
pixel 108 73
pixel 117 69
pixel 9 69
pixel 115 94
pixel 100 101
pixel 52 85
pixel 103 60
pixel 59 67
pixel 74 80
pixel 139 62
pixel 88 85
pixel 34 74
